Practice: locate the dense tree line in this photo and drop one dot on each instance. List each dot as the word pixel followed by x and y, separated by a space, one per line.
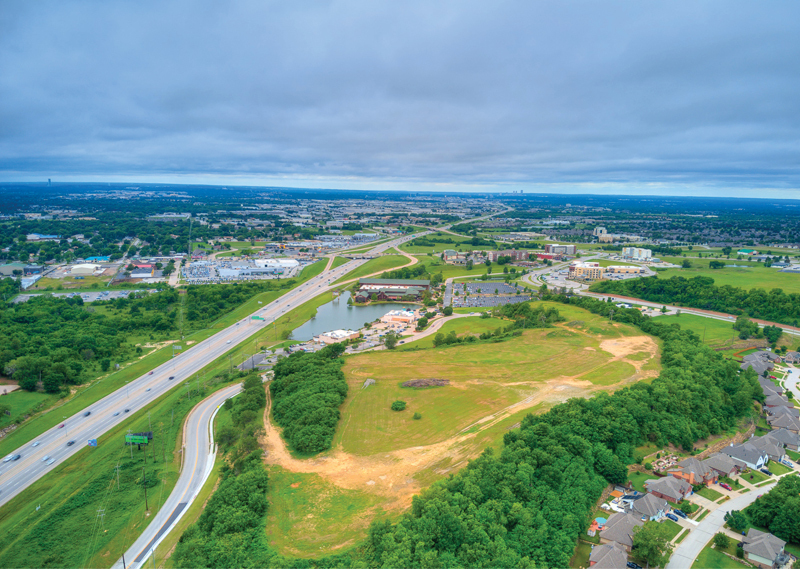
pixel 306 394
pixel 205 303
pixel 700 292
pixel 527 505
pixel 241 438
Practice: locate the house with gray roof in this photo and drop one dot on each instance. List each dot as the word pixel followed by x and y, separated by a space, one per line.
pixel 780 410
pixel 776 401
pixel 669 488
pixel 619 528
pixel 608 556
pixel 764 549
pixel 723 464
pixel 768 387
pixel 773 447
pixel 758 366
pixel 792 357
pixel 650 507
pixel 752 456
pixel 762 355
pixel 789 439
pixel 784 421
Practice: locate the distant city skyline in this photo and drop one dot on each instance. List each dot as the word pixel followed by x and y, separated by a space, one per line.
pixel 685 98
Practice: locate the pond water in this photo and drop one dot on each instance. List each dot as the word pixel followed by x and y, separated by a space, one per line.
pixel 337 315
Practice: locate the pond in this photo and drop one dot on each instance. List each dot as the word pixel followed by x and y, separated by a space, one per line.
pixel 338 315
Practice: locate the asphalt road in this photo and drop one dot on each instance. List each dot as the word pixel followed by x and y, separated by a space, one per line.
pixel 198 461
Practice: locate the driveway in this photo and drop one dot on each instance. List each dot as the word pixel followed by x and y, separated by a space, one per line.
pixel 688 550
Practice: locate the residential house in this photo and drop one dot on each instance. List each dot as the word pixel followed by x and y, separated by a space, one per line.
pixel 758 366
pixel 752 456
pixel 768 387
pixel 792 411
pixel 669 488
pixel 694 472
pixel 762 355
pixel 619 529
pixel 773 447
pixel 608 556
pixel 790 439
pixel 785 421
pixel 650 507
pixel 792 357
pixel 723 464
pixel 764 549
pixel 772 401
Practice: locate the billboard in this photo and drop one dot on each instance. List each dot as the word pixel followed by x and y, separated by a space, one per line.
pixel 92 442
pixel 136 439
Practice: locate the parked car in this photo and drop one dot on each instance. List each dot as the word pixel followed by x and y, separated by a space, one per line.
pixel 672 517
pixel 726 486
pixel 633 565
pixel 680 513
pixel 765 471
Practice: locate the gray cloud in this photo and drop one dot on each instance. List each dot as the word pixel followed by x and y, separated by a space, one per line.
pixel 492 94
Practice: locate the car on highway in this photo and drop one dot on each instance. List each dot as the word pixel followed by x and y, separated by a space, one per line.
pixel 51 461
pixel 36 444
pixel 16 457
pixel 117 413
pixel 46 458
pixel 9 457
pixel 172 377
pixel 70 443
pixel 672 517
pixel 87 413
pixel 61 426
pixel 150 373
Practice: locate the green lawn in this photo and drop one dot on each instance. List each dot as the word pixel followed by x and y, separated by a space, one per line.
pixel 711 558
pixel 378 264
pixel 458 244
pixel 777 468
pixel 716 332
pixel 795 456
pixel 702 515
pixel 710 494
pixel 580 559
pixel 338 261
pixel 436 265
pixel 754 477
pixel 638 479
pixel 21 402
pixel 682 536
pixel 674 528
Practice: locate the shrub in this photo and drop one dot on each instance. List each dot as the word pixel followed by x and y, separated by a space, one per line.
pixel 722 540
pixel 648 465
pixel 417 416
pixel 398 405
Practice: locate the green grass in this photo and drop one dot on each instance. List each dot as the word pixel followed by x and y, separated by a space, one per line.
pixel 710 494
pixel 63 531
pixel 638 479
pixel 754 477
pixel 338 261
pixel 609 263
pixel 69 283
pixel 461 326
pixel 610 373
pixel 682 536
pixel 795 456
pixel 459 244
pixel 716 332
pixel 310 515
pixel 436 265
pixel 777 468
pixel 21 402
pixel 702 515
pixel 485 377
pixel 754 276
pixel 712 558
pixel 580 558
pixel 378 264
pixel 674 529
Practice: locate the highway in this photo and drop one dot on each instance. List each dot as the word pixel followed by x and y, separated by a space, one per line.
pixel 114 409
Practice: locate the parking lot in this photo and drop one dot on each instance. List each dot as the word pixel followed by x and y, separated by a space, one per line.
pixel 488 301
pixel 86 296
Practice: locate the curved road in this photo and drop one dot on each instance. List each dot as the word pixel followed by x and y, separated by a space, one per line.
pixel 198 461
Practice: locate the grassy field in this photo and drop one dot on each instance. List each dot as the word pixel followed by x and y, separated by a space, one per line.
pixel 458 244
pixel 710 493
pixel 310 514
pixel 471 325
pixel 717 333
pixel 436 265
pixel 23 402
pixel 69 283
pixel 712 558
pixel 754 276
pixel 485 378
pixel 70 496
pixel 777 468
pixel 638 479
pixel 674 529
pixel 338 261
pixel 378 264
pixel 754 477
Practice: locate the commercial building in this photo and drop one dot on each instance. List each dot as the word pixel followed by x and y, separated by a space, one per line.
pixel 390 289
pixel 454 257
pixel 40 237
pixel 555 249
pixel 337 336
pixel 404 316
pixel 637 253
pixel 598 231
pixel 515 254
pixel 84 269
pixel 585 270
pixel 625 270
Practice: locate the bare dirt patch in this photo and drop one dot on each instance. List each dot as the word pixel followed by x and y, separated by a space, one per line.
pixel 423 383
pixel 621 347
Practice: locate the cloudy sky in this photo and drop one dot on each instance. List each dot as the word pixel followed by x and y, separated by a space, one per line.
pixel 597 97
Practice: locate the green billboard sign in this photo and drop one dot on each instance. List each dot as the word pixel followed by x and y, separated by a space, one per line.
pixel 136 439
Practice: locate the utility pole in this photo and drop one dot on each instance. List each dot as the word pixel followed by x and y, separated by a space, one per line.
pixel 144 483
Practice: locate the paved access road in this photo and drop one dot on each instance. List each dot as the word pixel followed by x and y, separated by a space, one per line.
pixel 198 461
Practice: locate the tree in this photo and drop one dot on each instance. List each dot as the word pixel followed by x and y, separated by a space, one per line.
pixel 737 520
pixel 390 340
pixel 469 265
pixel 652 543
pixel 105 364
pixel 448 311
pixel 422 323
pixel 716 264
pixel 687 264
pixel 398 406
pixel 722 541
